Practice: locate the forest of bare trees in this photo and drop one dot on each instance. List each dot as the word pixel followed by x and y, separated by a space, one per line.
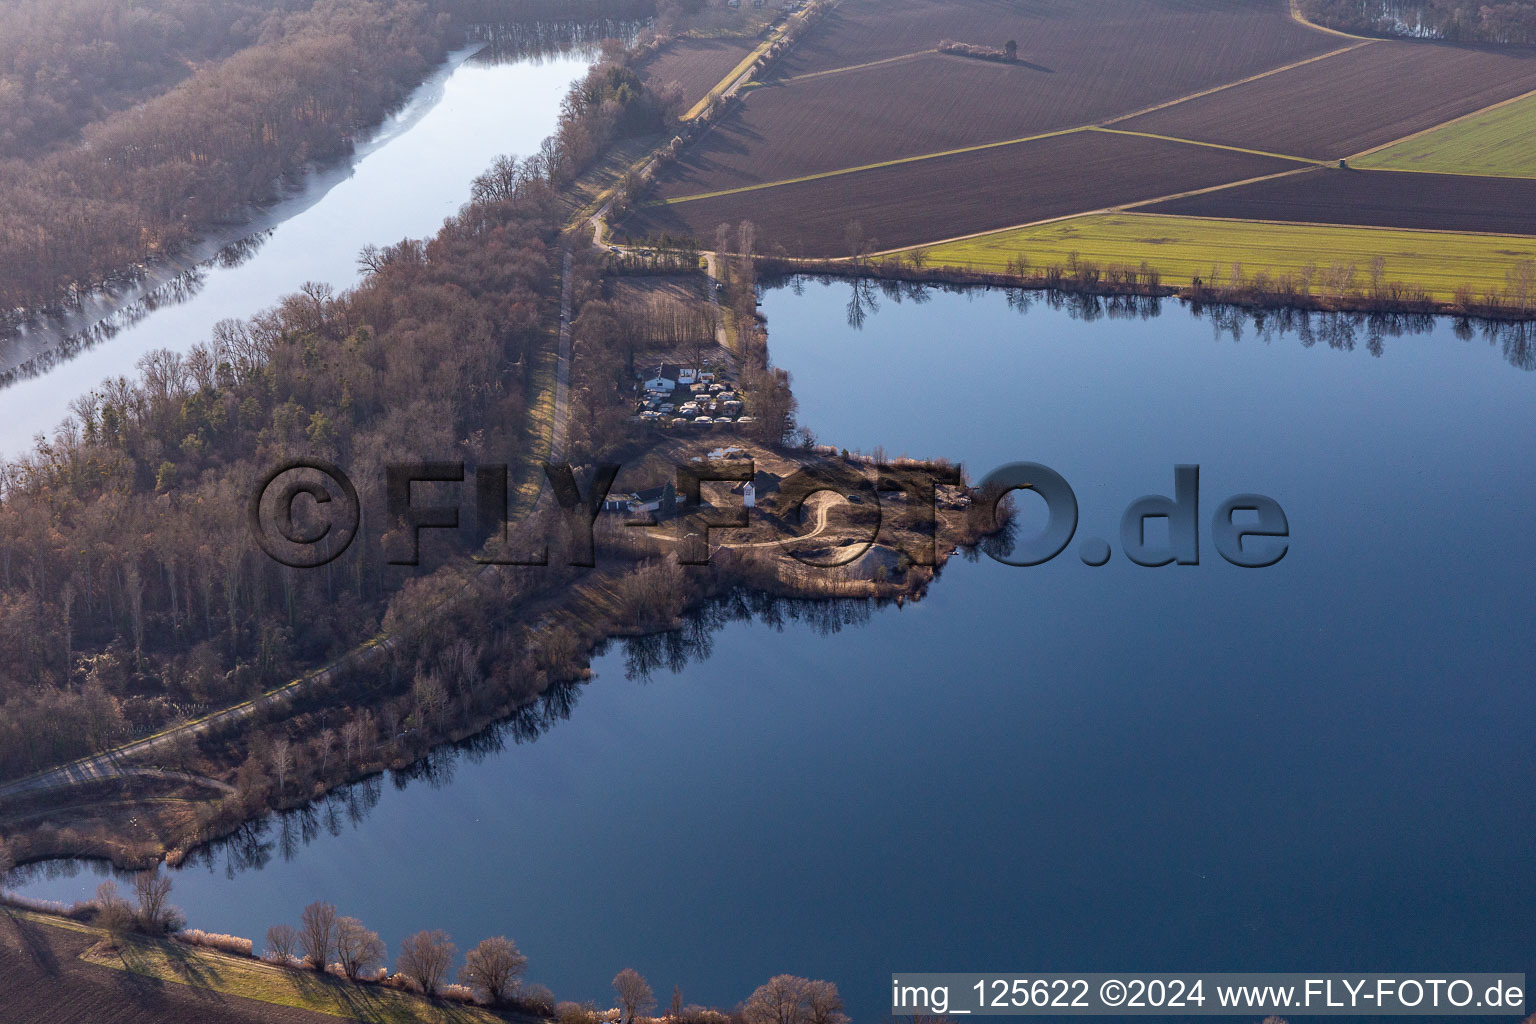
pixel 130 591
pixel 1511 21
pixel 145 180
pixel 231 100
pixel 66 63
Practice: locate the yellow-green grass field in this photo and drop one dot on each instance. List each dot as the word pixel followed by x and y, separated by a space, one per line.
pixel 1500 143
pixel 1181 248
pixel 229 975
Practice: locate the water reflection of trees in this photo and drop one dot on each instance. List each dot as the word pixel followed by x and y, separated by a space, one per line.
pixel 179 288
pixel 644 656
pixel 538 41
pixel 284 834
pixel 1344 331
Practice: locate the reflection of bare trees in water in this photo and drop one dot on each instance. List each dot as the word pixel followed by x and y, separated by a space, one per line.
pixel 864 300
pixel 1518 340
pixel 644 656
pixel 537 41
pixel 905 291
pixel 254 844
pixel 286 833
pixel 179 288
pixel 863 304
pixel 1346 331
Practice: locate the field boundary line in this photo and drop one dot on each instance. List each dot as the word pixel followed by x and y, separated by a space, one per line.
pixel 1119 208
pixel 1095 125
pixel 1212 145
pixel 992 231
pixel 853 67
pixel 867 167
pixel 1300 18
pixel 1215 188
pixel 1232 85
pixel 1334 225
pixel 1445 174
pixel 1443 124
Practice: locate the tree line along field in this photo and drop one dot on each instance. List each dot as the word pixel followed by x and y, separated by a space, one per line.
pixel 907 204
pixel 1183 248
pixel 1351 101
pixel 1446 202
pixel 1073 71
pixel 1500 142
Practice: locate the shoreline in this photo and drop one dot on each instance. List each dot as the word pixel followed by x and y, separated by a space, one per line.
pixel 205 809
pixel 1246 298
pixel 84 318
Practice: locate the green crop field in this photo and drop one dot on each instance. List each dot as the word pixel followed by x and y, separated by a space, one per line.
pixel 1499 142
pixel 1181 248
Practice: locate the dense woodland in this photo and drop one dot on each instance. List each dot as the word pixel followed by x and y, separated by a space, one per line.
pixel 1510 21
pixel 130 591
pixel 231 100
pixel 66 63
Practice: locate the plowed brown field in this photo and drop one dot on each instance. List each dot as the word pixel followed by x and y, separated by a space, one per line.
pixel 1183 41
pixel 1079 63
pixel 697 65
pixel 918 202
pixel 1395 199
pixel 1352 101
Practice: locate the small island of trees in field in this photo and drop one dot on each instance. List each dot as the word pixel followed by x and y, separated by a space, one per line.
pixel 1009 54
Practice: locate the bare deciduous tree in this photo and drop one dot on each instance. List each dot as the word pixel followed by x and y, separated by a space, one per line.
pixel 426 958
pixel 781 1001
pixel 282 762
pixel 352 739
pixel 676 1009
pixel 823 1005
pixel 635 995
pixel 326 742
pixel 153 892
pixel 494 966
pixel 112 911
pixel 357 948
pixel 317 933
pixel 282 940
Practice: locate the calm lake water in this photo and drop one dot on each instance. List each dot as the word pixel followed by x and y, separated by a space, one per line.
pixel 1325 765
pixel 414 172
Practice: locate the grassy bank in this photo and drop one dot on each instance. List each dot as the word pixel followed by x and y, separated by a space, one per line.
pixel 198 981
pixel 228 975
pixel 1183 248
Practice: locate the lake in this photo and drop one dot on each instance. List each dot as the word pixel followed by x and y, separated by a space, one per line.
pixel 411 174
pixel 1324 765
